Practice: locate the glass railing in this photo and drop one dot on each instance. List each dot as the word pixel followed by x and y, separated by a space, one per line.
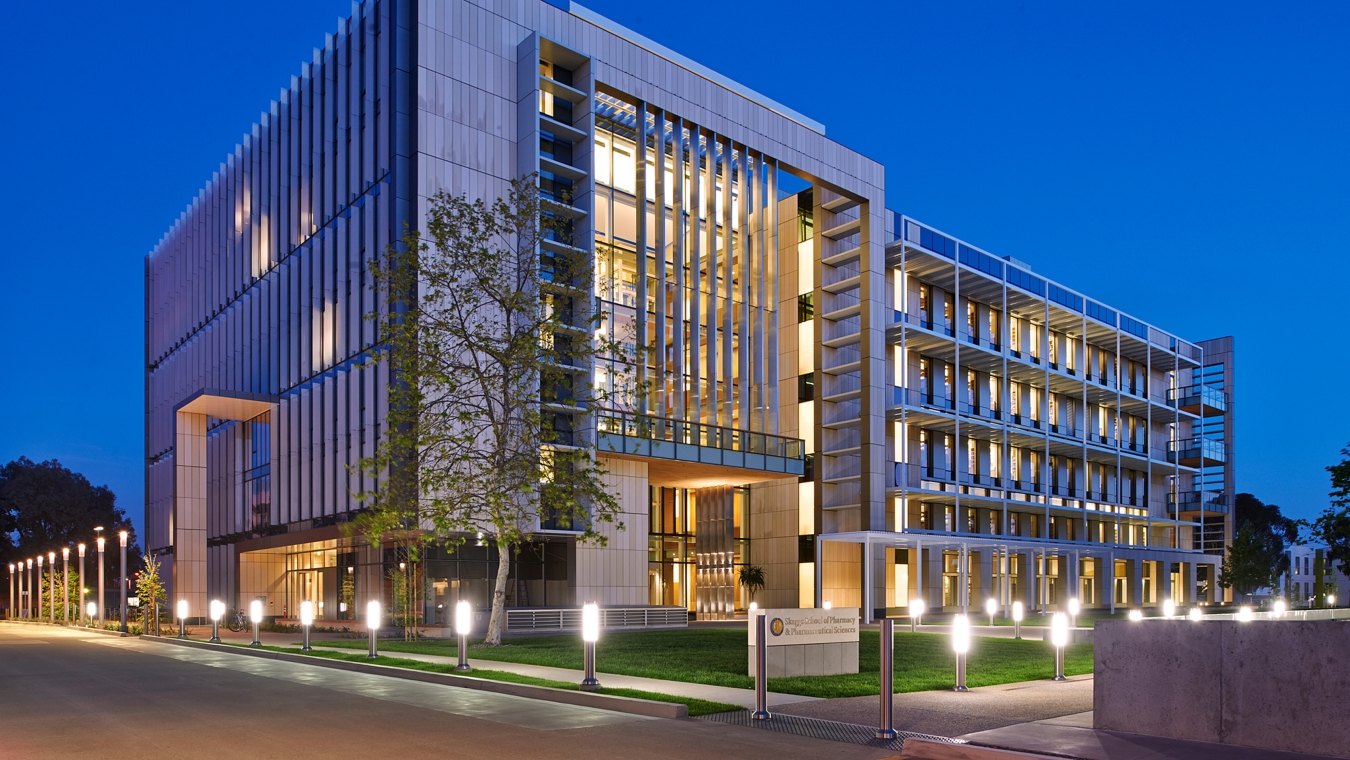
pixel 1196 448
pixel 697 434
pixel 1198 395
pixel 1193 501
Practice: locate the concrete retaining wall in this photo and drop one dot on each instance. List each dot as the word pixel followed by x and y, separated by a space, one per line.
pixel 1272 684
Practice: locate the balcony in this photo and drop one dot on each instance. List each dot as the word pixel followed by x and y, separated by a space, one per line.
pixel 1212 502
pixel 1197 452
pixel 1203 400
pixel 641 435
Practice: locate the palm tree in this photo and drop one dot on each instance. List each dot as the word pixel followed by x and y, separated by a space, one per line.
pixel 752 577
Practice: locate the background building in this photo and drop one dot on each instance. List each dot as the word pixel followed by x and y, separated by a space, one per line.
pixel 868 408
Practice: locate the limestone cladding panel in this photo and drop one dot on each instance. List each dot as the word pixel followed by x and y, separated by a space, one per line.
pixel 773 540
pixel 263 574
pixel 841 574
pixel 616 573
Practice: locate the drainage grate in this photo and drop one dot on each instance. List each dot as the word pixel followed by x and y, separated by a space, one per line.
pixel 830 730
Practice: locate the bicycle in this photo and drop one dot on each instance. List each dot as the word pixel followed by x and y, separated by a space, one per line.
pixel 237 620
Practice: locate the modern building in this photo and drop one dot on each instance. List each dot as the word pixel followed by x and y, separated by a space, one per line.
pixel 866 407
pixel 1300 584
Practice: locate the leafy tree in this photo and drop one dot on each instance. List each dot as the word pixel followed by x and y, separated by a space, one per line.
pixel 1258 555
pixel 485 356
pixel 1246 564
pixel 152 594
pixel 44 506
pixel 1333 526
pixel 51 594
pixel 752 577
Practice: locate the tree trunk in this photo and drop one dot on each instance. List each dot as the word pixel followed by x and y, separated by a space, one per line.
pixel 497 620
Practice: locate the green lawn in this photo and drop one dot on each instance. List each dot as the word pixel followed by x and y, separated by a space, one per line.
pixel 717 656
pixel 696 706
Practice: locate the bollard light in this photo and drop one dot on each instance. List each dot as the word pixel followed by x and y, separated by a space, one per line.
pixel 1059 637
pixel 1169 608
pixel 1018 612
pixel 463 625
pixel 182 617
pixel 89 610
pixel 753 607
pixel 306 620
pixel 886 728
pixel 1244 614
pixel 1075 607
pixel 1136 615
pixel 374 614
pixel 217 611
pixel 761 711
pixel 916 610
pixel 590 633
pixel 991 609
pixel 1331 600
pixel 826 604
pixel 255 614
pixel 1279 608
pixel 961 645
pixel 1195 614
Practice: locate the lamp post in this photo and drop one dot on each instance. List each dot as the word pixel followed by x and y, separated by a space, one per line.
pixel 463 624
pixel 1018 611
pixel 65 584
pixel 916 610
pixel 100 541
pixel 51 586
pixel 80 548
pixel 1059 637
pixel 306 620
pixel 886 730
pixel 590 633
pixel 991 609
pixel 1169 608
pixel 182 618
pixel 373 615
pixel 1075 607
pixel 961 645
pixel 217 611
pixel 31 614
pixel 255 613
pixel 122 584
pixel 9 611
pixel 38 615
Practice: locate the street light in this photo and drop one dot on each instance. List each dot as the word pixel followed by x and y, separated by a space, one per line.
pixel 961 645
pixel 916 610
pixel 991 608
pixel 217 611
pixel 1059 637
pixel 80 548
pixel 590 633
pixel 39 587
pixel 463 624
pixel 51 586
pixel 306 620
pixel 1075 607
pixel 1018 612
pixel 100 541
pixel 31 614
pixel 373 615
pixel 10 610
pixel 1136 615
pixel 65 584
pixel 182 618
pixel 255 613
pixel 122 538
pixel 1169 608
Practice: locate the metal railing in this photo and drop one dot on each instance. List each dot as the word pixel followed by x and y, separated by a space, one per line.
pixel 613 618
pixel 652 428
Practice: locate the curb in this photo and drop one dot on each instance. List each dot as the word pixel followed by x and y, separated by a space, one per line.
pixel 613 703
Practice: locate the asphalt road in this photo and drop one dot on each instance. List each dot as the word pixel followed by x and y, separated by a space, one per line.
pixel 69 693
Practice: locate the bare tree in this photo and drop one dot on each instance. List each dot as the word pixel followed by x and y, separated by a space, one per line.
pixel 490 333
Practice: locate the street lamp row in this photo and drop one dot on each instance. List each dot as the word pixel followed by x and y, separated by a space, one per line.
pixel 26 585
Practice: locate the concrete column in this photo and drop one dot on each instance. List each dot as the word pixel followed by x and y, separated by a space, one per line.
pixel 932 593
pixel 984 575
pixel 1165 581
pixel 1028 580
pixel 1106 582
pixel 1136 581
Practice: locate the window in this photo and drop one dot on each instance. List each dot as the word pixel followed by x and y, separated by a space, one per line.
pixel 806 387
pixel 925 305
pixel 806 307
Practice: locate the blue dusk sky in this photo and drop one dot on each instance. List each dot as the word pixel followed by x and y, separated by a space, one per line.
pixel 1184 162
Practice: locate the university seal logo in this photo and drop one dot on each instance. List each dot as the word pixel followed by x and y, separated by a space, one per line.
pixel 776 626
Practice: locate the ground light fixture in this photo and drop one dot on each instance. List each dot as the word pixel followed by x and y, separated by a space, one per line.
pixel 1279 608
pixel 1059 637
pixel 463 625
pixel 916 610
pixel 961 645
pixel 1244 614
pixel 1195 614
pixel 826 604
pixel 306 621
pixel 374 614
pixel 1136 615
pixel 182 618
pixel 1075 607
pixel 1169 608
pixel 255 613
pixel 991 609
pixel 1018 612
pixel 590 633
pixel 217 611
